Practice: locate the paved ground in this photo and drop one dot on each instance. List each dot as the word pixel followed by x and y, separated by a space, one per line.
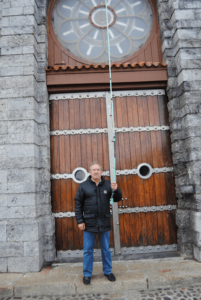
pixel 136 280
pixel 192 292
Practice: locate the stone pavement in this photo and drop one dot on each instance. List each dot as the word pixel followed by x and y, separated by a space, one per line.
pixel 142 279
pixel 192 292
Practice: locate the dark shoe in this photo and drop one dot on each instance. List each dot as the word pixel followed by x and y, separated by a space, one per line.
pixel 110 277
pixel 86 280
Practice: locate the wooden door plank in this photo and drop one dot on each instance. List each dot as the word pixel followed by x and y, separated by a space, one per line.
pixel 98 113
pixel 106 166
pixel 58 227
pixel 93 112
pixel 87 116
pixel 71 114
pixel 166 227
pixel 103 113
pixel 170 190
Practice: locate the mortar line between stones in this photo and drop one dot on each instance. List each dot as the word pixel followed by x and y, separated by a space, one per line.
pixel 147 279
pixel 75 283
pixel 16 283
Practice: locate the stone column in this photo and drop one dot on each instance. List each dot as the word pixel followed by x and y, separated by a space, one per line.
pixel 180 25
pixel 26 224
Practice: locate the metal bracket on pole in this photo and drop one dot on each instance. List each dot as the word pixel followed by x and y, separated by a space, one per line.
pixel 115 214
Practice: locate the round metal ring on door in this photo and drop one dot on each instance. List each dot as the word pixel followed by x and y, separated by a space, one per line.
pixel 144 171
pixel 80 175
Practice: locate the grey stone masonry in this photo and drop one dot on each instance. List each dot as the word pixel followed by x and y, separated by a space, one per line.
pixel 26 225
pixel 180 26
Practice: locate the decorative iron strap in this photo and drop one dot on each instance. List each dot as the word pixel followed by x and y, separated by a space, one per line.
pixel 127 210
pixel 135 171
pixel 127 93
pixel 129 250
pixel 139 129
pixel 68 214
pixel 118 172
pixel 79 131
pixel 105 130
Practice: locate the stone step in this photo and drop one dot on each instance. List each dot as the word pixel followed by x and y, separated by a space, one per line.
pixel 66 279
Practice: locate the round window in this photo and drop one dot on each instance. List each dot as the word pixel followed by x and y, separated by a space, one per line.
pixel 80 175
pixel 144 171
pixel 81 27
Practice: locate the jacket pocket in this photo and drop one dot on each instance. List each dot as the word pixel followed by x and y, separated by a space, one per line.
pixel 108 215
pixel 89 216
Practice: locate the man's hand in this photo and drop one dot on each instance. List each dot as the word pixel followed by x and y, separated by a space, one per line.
pixel 81 226
pixel 114 186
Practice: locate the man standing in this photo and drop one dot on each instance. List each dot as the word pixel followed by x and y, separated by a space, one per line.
pixel 93 199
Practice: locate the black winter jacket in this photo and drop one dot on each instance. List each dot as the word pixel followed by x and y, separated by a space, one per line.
pixel 94 202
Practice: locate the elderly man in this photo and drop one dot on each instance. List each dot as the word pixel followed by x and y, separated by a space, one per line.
pixel 93 199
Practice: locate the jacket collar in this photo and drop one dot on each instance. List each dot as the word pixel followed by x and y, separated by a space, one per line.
pixel 100 183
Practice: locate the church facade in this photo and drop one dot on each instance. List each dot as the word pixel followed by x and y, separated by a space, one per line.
pixel 55 119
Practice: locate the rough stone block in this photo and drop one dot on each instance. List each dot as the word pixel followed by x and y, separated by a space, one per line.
pixel 17 61
pixel 33 248
pixel 197 239
pixel 185 235
pixel 3 200
pixel 195 220
pixel 21 200
pixel 48 224
pixel 22 126
pixel 11 212
pixel 185 248
pixel 11 51
pixel 188 75
pixel 31 212
pixel 23 175
pixel 13 71
pixel 11 249
pixel 17 3
pixel 3 176
pixel 23 231
pixel 15 83
pixel 3 127
pixel 3 265
pixel 29 10
pixel 187 189
pixel 49 255
pixel 49 243
pixel 197 253
pixel 24 264
pixel 183 218
pixel 22 151
pixel 21 20
pixel 3 231
pixel 12 11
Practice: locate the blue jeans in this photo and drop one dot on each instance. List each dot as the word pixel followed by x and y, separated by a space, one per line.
pixel 89 240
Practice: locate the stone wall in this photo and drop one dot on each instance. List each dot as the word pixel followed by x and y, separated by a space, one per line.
pixel 26 224
pixel 180 24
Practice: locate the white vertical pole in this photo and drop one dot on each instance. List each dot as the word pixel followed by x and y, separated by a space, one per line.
pixel 115 213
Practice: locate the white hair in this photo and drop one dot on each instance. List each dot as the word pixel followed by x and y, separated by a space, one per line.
pixel 95 163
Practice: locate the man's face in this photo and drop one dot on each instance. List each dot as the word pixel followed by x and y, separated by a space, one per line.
pixel 96 172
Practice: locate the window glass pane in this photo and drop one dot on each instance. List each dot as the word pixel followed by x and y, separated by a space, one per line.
pixel 80 26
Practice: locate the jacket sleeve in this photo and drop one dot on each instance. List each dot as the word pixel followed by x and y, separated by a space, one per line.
pixel 79 202
pixel 117 195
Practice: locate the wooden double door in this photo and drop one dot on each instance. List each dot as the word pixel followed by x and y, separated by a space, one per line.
pixel 79 135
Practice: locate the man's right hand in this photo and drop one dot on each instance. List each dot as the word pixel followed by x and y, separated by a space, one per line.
pixel 81 226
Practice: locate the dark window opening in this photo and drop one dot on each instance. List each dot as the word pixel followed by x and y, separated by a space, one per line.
pixel 80 175
pixel 144 171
